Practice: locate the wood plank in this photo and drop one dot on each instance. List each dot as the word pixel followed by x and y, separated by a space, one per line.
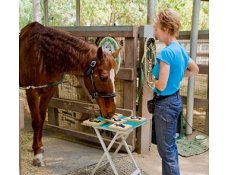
pixel 53 116
pixel 126 74
pixel 130 87
pixel 203 34
pixel 21 113
pixel 203 69
pixel 202 54
pixel 121 31
pixel 123 74
pixel 82 107
pixel 101 31
pixel 81 81
pixel 144 132
pixel 53 112
pixel 146 31
pixel 125 112
pixel 78 106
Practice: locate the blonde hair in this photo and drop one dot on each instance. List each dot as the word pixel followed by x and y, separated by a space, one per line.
pixel 169 20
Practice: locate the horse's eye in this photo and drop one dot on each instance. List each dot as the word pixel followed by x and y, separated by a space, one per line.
pixel 103 78
pixel 104 75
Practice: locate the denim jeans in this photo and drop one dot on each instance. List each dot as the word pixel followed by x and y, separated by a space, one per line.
pixel 165 117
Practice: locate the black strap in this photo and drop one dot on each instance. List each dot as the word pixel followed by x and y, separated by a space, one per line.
pixel 161 97
pixel 109 95
pixel 94 93
pixel 89 71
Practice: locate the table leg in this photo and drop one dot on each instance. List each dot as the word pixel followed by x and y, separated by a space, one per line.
pixel 121 143
pixel 117 149
pixel 123 137
pixel 137 171
pixel 105 152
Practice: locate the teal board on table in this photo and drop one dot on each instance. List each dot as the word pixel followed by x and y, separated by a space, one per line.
pixel 133 124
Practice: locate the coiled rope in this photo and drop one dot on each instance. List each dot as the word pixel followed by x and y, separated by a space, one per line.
pixel 146 66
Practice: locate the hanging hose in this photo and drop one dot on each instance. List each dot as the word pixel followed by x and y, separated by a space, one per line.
pixel 146 66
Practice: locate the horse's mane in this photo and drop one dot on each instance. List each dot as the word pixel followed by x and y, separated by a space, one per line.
pixel 57 50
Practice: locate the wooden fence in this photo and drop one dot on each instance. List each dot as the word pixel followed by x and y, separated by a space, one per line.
pixel 134 38
pixel 127 74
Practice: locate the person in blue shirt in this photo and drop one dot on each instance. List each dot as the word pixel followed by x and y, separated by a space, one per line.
pixel 172 64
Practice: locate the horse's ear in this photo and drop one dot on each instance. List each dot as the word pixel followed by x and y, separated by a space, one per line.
pixel 117 60
pixel 116 53
pixel 99 53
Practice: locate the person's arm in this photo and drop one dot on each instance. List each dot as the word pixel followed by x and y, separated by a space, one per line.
pixel 192 68
pixel 161 83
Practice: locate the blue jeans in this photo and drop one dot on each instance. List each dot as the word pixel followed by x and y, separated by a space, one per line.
pixel 165 117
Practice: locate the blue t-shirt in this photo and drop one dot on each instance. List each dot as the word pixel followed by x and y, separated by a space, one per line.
pixel 176 56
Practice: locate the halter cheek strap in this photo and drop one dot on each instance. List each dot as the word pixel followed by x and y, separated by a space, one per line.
pixel 94 93
pixel 89 71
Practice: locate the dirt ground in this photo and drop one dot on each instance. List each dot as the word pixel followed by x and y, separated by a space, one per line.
pixel 65 155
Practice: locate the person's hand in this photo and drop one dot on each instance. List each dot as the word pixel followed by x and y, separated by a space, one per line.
pixel 152 84
pixel 152 81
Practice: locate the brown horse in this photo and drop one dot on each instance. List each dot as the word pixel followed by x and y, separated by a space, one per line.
pixel 45 55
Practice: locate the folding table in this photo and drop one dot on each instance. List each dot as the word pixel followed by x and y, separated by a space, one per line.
pixel 118 134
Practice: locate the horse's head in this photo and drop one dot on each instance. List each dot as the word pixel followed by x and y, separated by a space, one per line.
pixel 99 81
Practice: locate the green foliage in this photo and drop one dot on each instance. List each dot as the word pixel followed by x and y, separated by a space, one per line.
pixel 25 12
pixel 184 8
pixel 108 12
pixel 61 12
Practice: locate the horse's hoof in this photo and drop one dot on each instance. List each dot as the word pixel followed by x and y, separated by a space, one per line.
pixel 38 163
pixel 38 160
pixel 41 150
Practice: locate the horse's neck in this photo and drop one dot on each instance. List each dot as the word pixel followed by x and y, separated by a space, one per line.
pixel 69 55
pixel 80 60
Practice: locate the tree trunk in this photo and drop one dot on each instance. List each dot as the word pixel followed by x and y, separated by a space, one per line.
pixel 36 10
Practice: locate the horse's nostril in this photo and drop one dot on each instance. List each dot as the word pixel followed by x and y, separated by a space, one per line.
pixel 109 115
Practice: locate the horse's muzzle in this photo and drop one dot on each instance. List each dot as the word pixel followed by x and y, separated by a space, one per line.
pixel 109 115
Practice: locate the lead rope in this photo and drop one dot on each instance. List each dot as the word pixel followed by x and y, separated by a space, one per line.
pixel 51 84
pixel 33 87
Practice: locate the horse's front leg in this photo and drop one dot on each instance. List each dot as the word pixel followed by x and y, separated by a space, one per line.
pixel 33 102
pixel 44 101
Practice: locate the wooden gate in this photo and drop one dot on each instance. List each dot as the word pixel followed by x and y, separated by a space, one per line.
pixel 133 38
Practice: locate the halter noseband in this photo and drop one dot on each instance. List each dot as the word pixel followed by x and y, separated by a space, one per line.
pixel 94 93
